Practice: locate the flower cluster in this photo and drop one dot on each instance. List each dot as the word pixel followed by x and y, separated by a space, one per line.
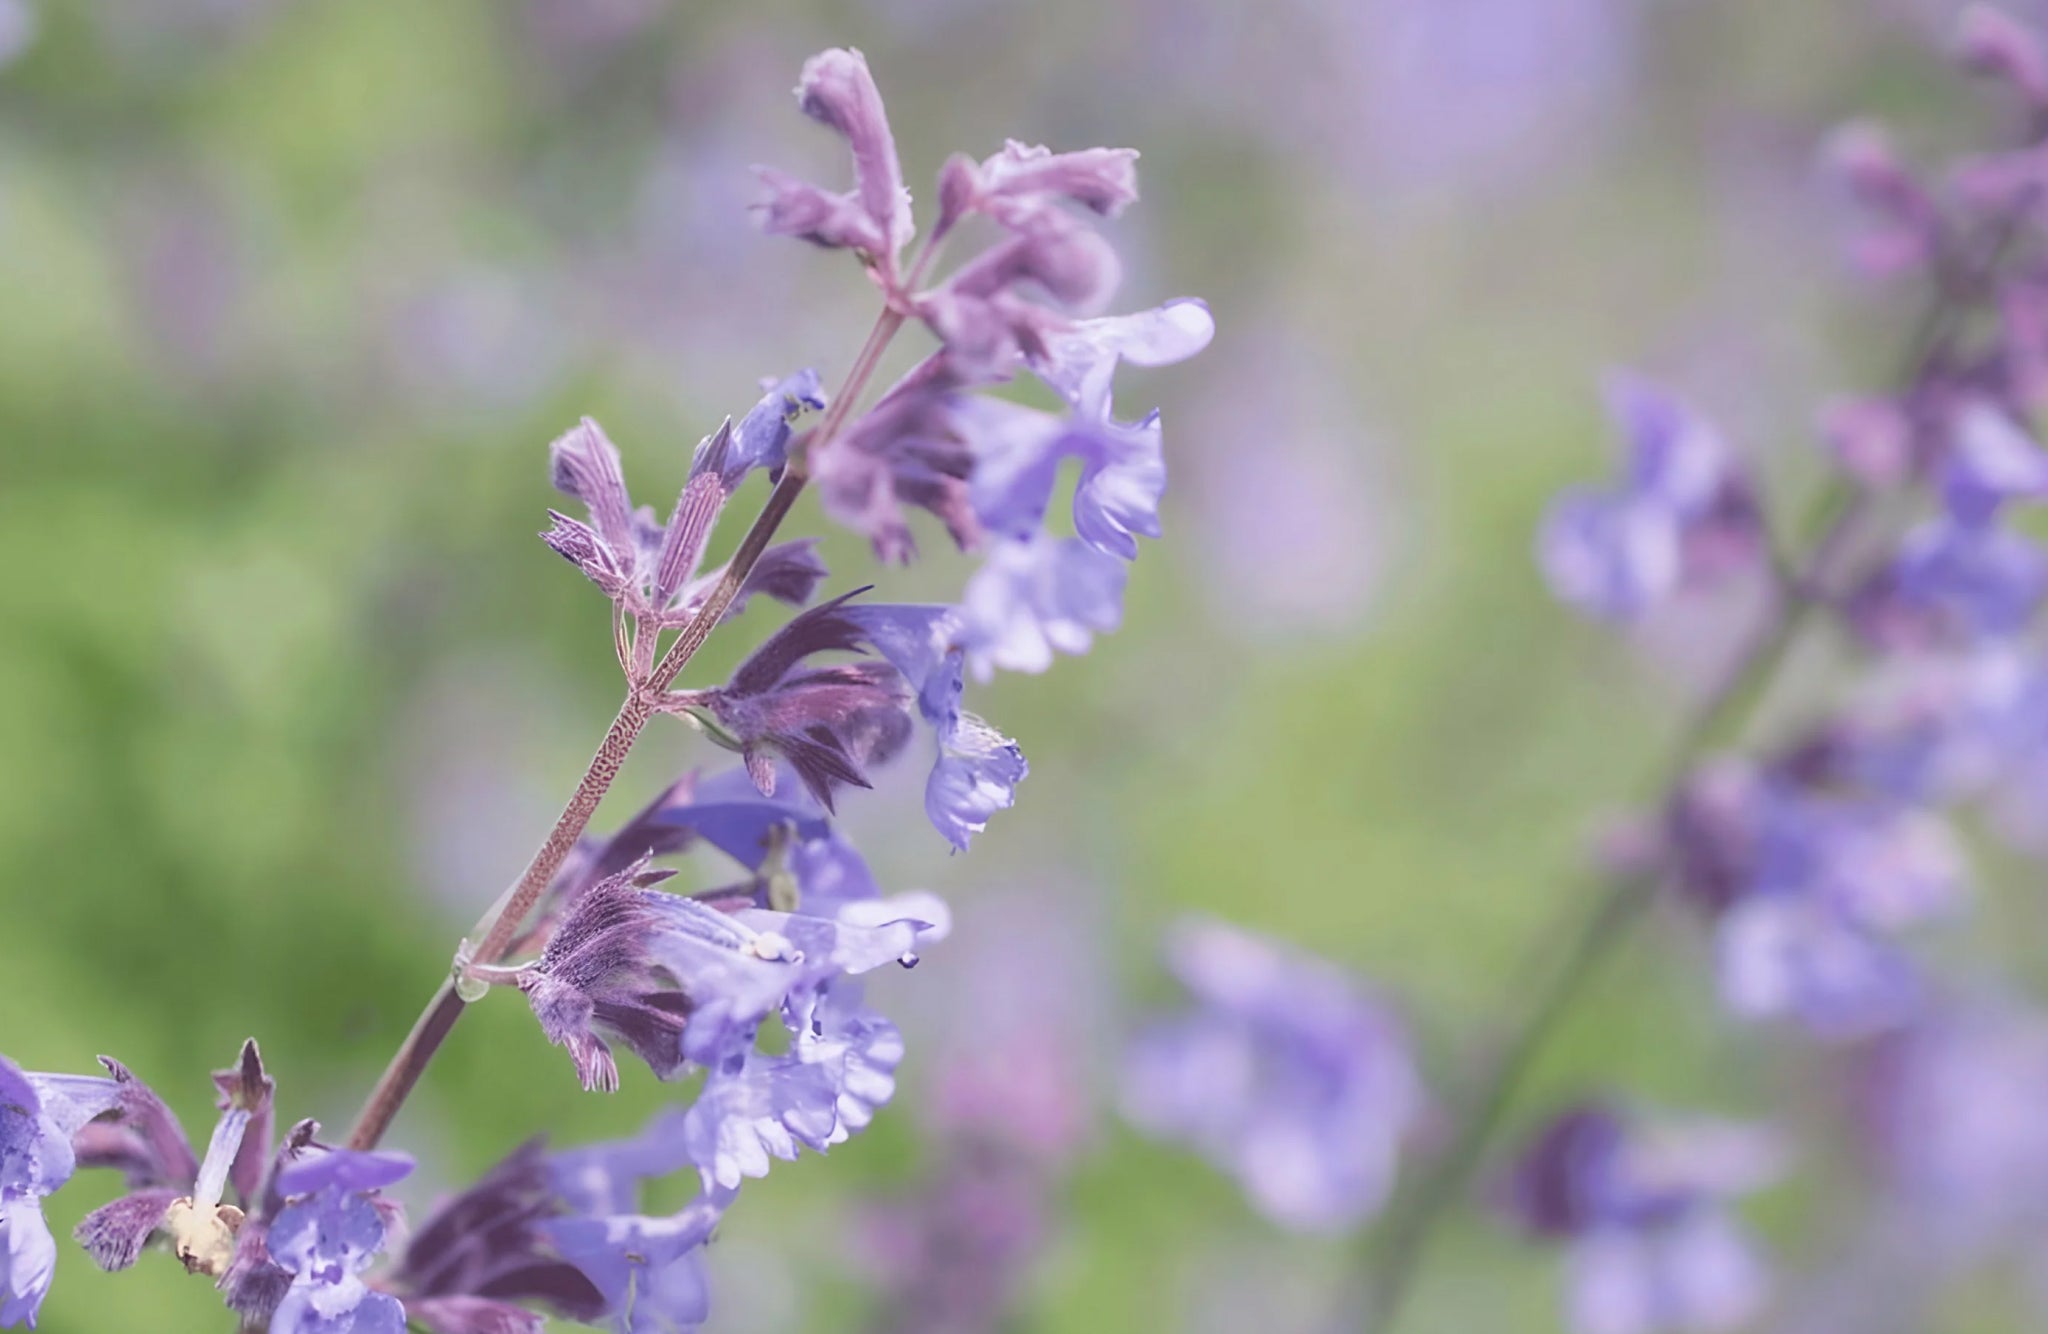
pixel 754 982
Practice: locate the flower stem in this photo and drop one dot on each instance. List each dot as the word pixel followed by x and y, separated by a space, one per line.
pixel 496 931
pixel 1615 909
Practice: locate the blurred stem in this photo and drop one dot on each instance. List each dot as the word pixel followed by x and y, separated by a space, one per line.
pixel 1589 938
pixel 497 929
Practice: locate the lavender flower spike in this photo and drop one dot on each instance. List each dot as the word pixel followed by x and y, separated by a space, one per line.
pixel 39 1114
pixel 1285 1075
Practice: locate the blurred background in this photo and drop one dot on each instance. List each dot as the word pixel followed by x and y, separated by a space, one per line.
pixel 294 293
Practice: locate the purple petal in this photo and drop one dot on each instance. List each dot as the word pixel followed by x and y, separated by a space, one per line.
pixel 1792 958
pixel 1079 363
pixel 28 1260
pixel 114 1234
pixel 1612 558
pixel 1102 180
pixel 1991 461
pixel 789 206
pixel 1035 597
pixel 761 440
pixel 976 775
pixel 342 1170
pixel 649 1269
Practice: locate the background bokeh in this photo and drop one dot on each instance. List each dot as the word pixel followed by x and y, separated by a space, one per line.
pixel 293 293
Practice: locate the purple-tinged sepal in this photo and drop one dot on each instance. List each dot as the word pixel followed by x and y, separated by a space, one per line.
pixel 829 723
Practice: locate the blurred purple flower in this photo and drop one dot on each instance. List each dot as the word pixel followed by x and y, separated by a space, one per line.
pixel 1808 891
pixel 1684 516
pixel 1950 1107
pixel 1645 1214
pixel 1285 1075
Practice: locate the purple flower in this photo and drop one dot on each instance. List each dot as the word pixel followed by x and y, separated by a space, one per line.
pixel 330 1230
pixel 39 1115
pixel 485 1250
pixel 829 723
pixel 1684 516
pixel 1652 1244
pixel 977 769
pixel 755 1106
pixel 837 90
pixel 1809 891
pixel 649 1269
pixel 1038 596
pixel 761 440
pixel 1952 583
pixel 906 450
pixel 168 1187
pixel 1284 1074
pixel 679 981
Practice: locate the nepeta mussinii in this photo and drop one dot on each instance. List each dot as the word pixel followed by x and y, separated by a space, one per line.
pixel 604 954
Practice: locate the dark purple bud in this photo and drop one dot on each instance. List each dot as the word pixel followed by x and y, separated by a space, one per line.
pixel 1565 1181
pixel 822 629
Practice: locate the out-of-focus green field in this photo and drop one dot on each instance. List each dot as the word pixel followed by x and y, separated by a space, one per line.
pixel 294 294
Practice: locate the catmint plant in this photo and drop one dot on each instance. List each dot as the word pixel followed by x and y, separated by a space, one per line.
pixel 1817 858
pixel 302 1235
